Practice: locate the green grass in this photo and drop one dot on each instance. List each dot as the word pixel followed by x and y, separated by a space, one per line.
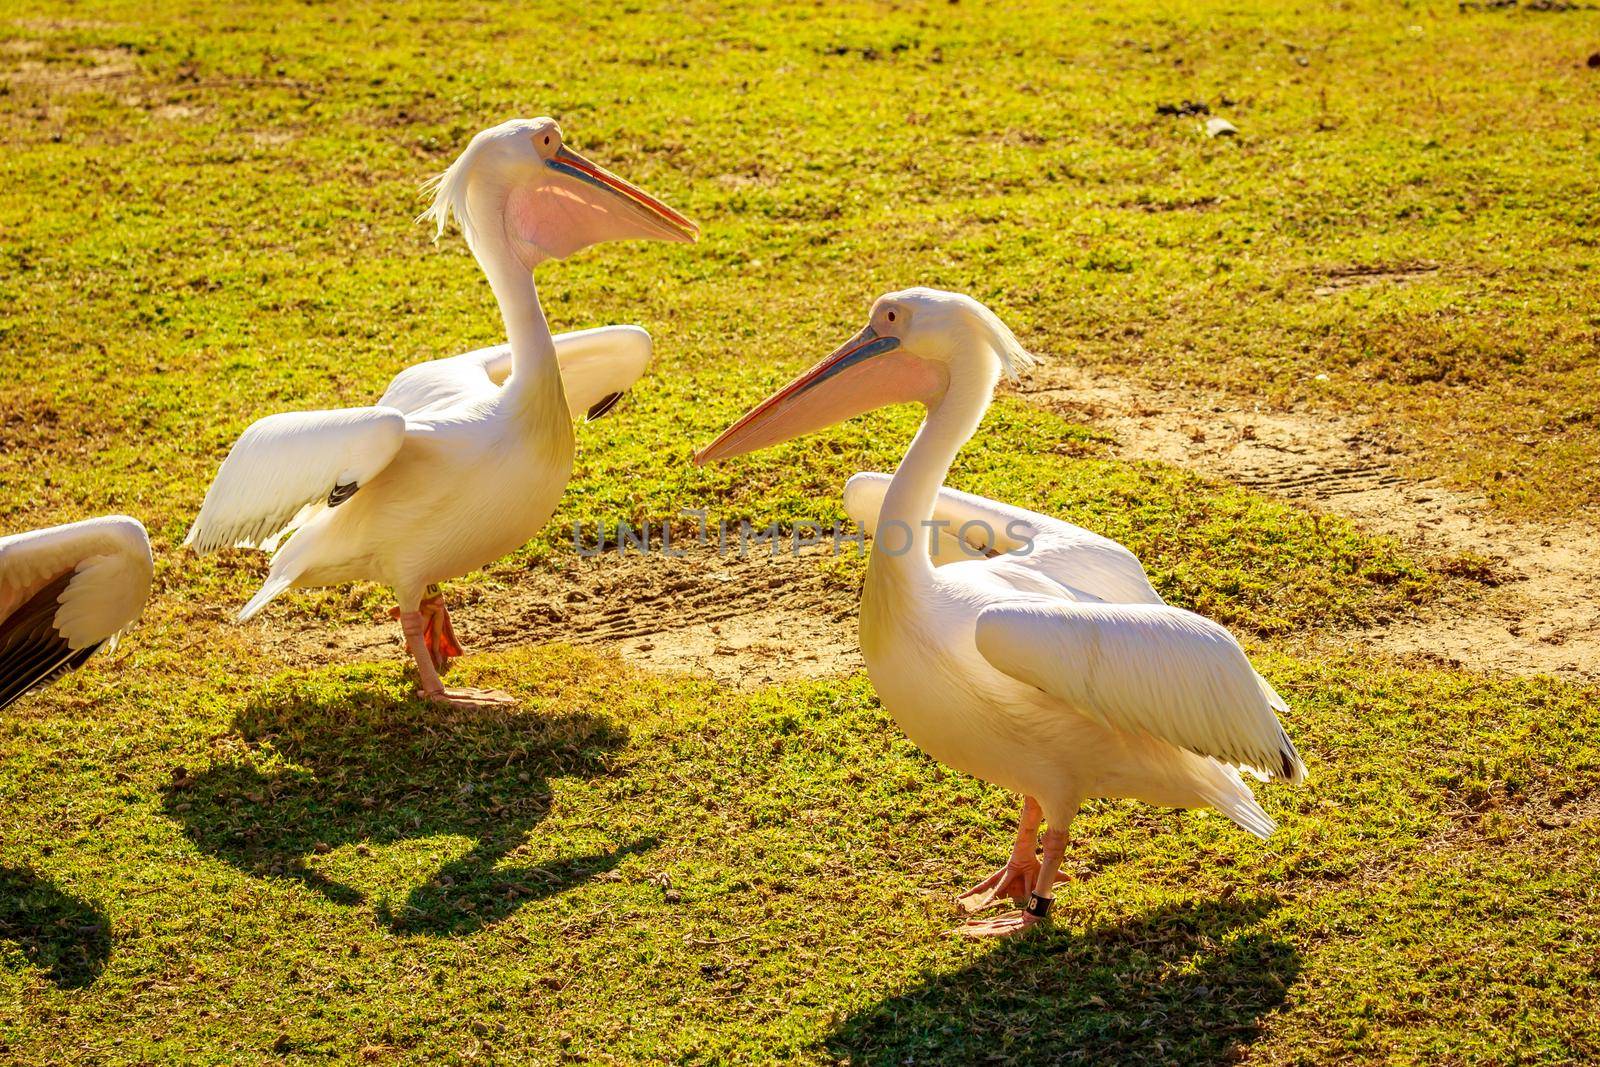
pixel 205 219
pixel 648 868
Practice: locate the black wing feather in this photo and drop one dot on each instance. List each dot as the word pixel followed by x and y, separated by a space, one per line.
pixel 32 651
pixel 601 406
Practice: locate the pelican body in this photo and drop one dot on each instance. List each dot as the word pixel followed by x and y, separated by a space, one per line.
pixel 462 460
pixel 64 592
pixel 1016 647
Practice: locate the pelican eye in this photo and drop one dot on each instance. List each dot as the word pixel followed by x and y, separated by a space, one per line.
pixel 891 316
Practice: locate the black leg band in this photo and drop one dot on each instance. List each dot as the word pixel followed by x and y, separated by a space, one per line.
pixel 1038 906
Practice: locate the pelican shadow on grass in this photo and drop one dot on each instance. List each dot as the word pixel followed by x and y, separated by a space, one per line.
pixel 1186 983
pixel 66 937
pixel 363 768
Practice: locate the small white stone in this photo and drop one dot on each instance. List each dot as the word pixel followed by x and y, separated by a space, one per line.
pixel 1221 128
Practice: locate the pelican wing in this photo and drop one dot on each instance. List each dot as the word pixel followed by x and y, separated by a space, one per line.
pixel 285 466
pixel 1146 668
pixel 975 527
pixel 64 592
pixel 597 366
pixel 443 383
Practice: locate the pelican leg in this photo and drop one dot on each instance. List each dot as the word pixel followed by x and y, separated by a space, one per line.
pixel 1013 881
pixel 415 624
pixel 438 633
pixel 441 635
pixel 1039 900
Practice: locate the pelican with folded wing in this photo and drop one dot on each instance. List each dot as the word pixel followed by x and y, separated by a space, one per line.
pixel 462 460
pixel 1010 645
pixel 64 592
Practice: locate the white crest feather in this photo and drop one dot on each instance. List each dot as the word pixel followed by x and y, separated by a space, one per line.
pixel 957 319
pixel 448 190
pixel 1014 359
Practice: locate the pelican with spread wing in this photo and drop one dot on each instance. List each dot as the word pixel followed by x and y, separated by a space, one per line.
pixel 1010 645
pixel 64 592
pixel 462 460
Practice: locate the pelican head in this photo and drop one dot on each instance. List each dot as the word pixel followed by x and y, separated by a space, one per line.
pixel 918 345
pixel 551 200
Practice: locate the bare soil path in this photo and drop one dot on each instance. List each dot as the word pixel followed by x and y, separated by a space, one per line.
pixel 1541 615
pixel 746 621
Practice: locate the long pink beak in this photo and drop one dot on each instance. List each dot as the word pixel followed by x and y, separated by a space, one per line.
pixel 864 373
pixel 657 219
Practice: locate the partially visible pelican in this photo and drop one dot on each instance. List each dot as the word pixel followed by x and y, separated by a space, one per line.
pixel 463 459
pixel 64 592
pixel 1010 645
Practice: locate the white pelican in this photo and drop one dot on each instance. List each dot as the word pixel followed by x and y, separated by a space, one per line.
pixel 1010 645
pixel 463 459
pixel 64 592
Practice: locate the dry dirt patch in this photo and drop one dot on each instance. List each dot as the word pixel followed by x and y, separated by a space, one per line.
pixel 1366 277
pixel 745 621
pixel 1541 617
pixel 96 68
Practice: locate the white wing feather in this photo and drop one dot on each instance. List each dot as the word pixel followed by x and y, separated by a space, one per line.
pixel 594 364
pixel 284 464
pixel 443 383
pixel 1069 555
pixel 597 363
pixel 1146 668
pixel 112 566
